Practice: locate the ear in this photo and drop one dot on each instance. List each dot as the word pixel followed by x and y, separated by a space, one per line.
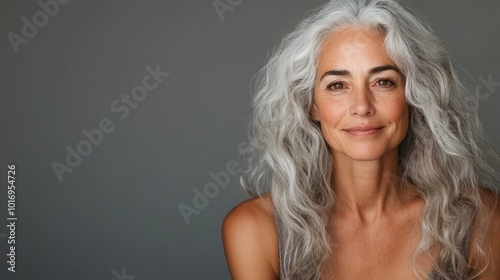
pixel 314 112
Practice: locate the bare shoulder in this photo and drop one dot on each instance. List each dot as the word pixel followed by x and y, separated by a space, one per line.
pixel 255 215
pixel 491 201
pixel 259 207
pixel 250 240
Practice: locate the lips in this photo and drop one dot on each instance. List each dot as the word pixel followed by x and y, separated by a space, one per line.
pixel 364 130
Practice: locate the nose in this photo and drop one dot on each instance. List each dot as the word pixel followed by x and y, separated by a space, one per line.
pixel 362 102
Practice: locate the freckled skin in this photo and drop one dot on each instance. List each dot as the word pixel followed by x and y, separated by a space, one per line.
pixel 360 98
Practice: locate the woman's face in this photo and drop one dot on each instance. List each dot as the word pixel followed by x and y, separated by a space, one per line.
pixel 359 95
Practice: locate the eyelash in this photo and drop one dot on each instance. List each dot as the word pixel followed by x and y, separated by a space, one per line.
pixel 391 81
pixel 330 85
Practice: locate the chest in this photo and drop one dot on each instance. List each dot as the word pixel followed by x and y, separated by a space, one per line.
pixel 383 252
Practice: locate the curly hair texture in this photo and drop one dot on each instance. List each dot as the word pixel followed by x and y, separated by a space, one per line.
pixel 446 156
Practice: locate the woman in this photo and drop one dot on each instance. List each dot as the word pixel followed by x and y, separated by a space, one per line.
pixel 367 159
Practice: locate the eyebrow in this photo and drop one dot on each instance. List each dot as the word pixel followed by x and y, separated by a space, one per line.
pixel 372 71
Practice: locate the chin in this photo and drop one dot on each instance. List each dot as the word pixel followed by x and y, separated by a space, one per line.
pixel 364 154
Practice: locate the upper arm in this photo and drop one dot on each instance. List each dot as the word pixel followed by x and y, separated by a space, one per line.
pixel 247 236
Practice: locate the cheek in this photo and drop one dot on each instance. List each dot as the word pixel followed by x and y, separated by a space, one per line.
pixel 398 111
pixel 330 114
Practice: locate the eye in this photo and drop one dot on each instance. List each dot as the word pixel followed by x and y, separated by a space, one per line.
pixel 385 82
pixel 335 86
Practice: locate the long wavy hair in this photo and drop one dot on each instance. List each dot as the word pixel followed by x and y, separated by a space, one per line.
pixel 445 156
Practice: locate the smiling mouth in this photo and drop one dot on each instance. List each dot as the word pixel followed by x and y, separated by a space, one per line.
pixel 364 130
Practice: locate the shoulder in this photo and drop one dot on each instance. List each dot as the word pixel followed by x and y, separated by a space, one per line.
pixel 491 218
pixel 254 215
pixel 250 240
pixel 258 207
pixel 491 202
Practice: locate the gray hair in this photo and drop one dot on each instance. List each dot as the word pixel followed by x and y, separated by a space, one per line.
pixel 445 155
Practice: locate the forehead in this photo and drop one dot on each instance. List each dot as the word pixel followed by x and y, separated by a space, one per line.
pixel 353 45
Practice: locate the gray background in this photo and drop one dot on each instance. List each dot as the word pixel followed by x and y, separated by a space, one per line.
pixel 119 207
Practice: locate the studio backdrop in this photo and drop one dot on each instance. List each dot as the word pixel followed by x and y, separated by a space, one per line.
pixel 121 123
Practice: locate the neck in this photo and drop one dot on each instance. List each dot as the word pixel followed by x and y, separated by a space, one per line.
pixel 365 190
